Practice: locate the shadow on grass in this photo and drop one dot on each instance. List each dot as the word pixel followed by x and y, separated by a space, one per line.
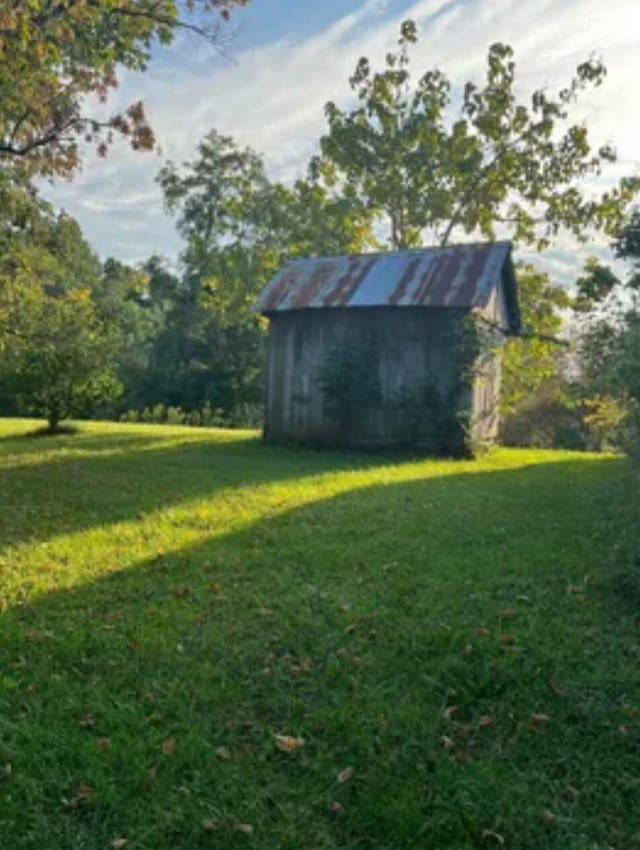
pixel 353 622
pixel 87 480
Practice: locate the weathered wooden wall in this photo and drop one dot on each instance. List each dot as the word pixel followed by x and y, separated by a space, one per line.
pixel 412 347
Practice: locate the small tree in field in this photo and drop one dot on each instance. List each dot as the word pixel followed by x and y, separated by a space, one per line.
pixel 61 362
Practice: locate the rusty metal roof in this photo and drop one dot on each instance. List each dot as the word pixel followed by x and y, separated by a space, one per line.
pixel 459 276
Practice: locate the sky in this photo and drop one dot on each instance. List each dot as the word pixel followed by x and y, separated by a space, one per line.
pixel 286 58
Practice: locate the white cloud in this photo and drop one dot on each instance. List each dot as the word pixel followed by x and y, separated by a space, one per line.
pixel 272 97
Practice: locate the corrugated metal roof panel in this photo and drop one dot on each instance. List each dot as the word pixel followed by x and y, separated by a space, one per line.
pixel 461 276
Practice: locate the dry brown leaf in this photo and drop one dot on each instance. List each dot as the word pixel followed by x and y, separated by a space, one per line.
pixel 211 824
pixel 169 746
pixel 345 775
pixel 547 817
pixel 485 721
pixel 447 743
pixel 570 792
pixel 244 827
pixel 489 833
pixel 540 718
pixel 119 843
pixel 288 743
pixel 150 778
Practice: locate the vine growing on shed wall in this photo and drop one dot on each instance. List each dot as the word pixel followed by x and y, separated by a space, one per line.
pixel 434 414
pixel 349 381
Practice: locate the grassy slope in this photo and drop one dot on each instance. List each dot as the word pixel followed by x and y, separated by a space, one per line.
pixel 185 591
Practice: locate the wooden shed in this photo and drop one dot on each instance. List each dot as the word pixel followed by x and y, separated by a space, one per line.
pixel 396 348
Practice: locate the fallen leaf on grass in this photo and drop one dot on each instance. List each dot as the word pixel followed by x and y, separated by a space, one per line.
pixel 488 833
pixel 244 827
pixel 223 753
pixel 169 746
pixel 119 843
pixel 82 796
pixel 336 809
pixel 485 721
pixel 547 817
pixel 345 775
pixel 211 824
pixel 570 792
pixel 540 718
pixel 447 743
pixel 288 743
pixel 150 778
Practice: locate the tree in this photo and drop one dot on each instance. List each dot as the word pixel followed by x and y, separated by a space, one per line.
pixel 609 342
pixel 594 285
pixel 533 359
pixel 59 56
pixel 39 249
pixel 500 163
pixel 63 365
pixel 239 227
pixel 626 246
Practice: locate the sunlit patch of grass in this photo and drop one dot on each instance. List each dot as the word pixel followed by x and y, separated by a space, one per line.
pixel 174 599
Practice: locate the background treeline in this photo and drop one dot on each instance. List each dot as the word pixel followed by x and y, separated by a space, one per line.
pixel 410 164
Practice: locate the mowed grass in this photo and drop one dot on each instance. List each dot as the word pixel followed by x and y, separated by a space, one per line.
pixel 445 638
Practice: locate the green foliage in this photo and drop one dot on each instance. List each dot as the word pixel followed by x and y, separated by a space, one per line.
pixel 62 365
pixel 245 416
pixel 626 246
pixel 350 382
pixel 610 353
pixel 239 227
pixel 411 155
pixel 610 345
pixel 595 285
pixel 445 628
pixel 533 362
pixel 56 57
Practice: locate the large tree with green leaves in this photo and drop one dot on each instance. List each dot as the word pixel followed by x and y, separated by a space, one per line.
pixel 421 162
pixel 57 57
pixel 239 227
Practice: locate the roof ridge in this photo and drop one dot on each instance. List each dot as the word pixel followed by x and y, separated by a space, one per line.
pixel 392 252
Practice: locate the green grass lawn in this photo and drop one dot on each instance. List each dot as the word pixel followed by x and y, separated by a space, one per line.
pixel 451 631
